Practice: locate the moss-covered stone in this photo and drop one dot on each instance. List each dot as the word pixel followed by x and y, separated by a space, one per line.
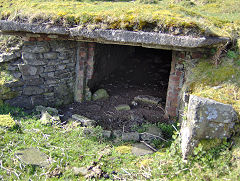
pixel 100 94
pixel 6 121
pixel 124 149
pixel 208 144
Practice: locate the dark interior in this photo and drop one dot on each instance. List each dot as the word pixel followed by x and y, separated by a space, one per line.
pixel 126 72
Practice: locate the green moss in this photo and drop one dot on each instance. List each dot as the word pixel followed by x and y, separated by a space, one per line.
pixel 208 144
pixel 220 83
pixel 124 149
pixel 5 77
pixel 6 121
pixel 146 15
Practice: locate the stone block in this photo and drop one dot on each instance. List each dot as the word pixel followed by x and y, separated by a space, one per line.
pixel 32 90
pixel 123 107
pixel 131 136
pixel 21 101
pixel 206 119
pixel 50 55
pixel 41 47
pixel 28 69
pixel 146 99
pixel 34 61
pixel 106 133
pixel 31 56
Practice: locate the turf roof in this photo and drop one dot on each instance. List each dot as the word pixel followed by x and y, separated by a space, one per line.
pixel 189 17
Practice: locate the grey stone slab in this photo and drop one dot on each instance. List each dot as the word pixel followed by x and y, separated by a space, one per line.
pixel 140 38
pixel 32 156
pixel 140 149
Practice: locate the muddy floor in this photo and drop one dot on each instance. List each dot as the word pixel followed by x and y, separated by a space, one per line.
pixel 140 75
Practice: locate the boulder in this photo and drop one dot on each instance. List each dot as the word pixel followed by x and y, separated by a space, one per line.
pixel 206 120
pixel 100 94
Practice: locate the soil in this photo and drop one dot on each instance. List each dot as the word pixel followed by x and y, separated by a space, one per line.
pixel 146 74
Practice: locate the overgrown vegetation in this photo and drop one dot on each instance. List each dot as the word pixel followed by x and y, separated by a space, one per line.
pixel 219 82
pixel 67 147
pixel 188 17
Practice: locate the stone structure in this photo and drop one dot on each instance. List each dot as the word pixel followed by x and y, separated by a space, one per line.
pixel 206 120
pixel 55 65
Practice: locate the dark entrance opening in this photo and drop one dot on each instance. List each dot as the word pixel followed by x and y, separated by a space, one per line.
pixel 128 74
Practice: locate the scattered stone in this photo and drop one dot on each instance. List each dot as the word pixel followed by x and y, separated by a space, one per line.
pixel 152 133
pixel 80 171
pixel 88 131
pixel 48 109
pixel 146 99
pixel 47 118
pixel 106 133
pixel 85 121
pixel 140 149
pixel 117 133
pixel 123 107
pixel 131 136
pixel 100 94
pixel 206 120
pixel 33 156
pixel 134 103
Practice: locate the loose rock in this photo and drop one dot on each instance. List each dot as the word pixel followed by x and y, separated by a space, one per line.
pixel 85 121
pixel 100 94
pixel 80 171
pixel 106 133
pixel 123 107
pixel 146 99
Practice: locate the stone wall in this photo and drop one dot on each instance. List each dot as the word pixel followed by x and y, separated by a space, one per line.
pixel 44 74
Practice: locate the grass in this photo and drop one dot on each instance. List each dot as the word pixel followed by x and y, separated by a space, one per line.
pixel 210 18
pixel 220 83
pixel 67 147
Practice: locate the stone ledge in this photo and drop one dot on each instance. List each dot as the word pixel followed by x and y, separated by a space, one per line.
pixel 145 39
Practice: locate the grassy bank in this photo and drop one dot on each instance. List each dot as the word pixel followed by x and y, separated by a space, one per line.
pixel 196 18
pixel 67 147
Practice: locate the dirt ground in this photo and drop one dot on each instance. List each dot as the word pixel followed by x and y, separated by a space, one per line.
pixel 146 74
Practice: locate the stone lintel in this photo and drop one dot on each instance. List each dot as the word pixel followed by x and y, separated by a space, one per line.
pixel 123 37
